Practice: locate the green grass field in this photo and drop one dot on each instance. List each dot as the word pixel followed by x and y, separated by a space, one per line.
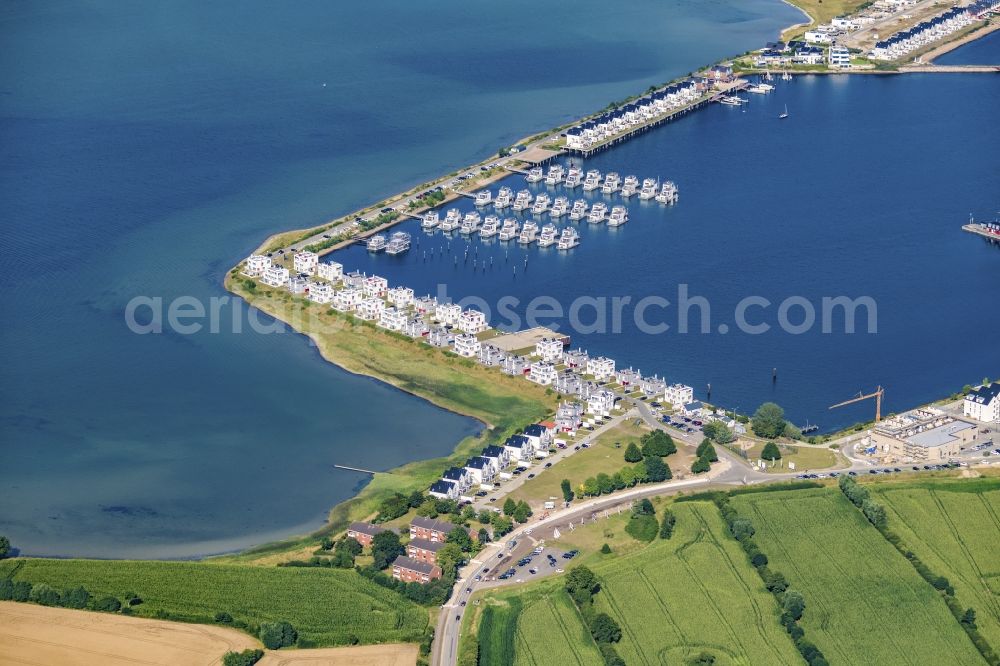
pixel 954 528
pixel 694 593
pixel 497 631
pixel 550 631
pixel 865 604
pixel 326 606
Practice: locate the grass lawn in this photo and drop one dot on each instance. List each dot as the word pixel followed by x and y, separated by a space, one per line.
pixel 589 538
pixel 461 385
pixel 865 604
pixel 694 593
pixel 805 457
pixel 326 606
pixel 821 11
pixel 602 456
pixel 954 528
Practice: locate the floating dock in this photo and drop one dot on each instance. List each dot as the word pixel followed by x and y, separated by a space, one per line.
pixel 989 231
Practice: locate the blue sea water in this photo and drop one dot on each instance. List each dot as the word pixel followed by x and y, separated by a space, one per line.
pixel 148 147
pixel 984 51
pixel 860 192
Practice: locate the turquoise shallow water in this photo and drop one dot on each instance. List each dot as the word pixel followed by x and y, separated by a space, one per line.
pixel 147 148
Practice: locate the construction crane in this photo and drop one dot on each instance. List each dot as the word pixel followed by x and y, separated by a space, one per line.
pixel 877 394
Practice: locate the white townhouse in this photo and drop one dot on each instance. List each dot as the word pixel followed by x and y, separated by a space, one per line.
pixel 491 356
pixel 845 23
pixel 569 416
pixel 375 285
pixel 275 276
pixel 330 270
pixel 370 308
pixel 346 300
pixel 305 262
pixel 392 319
pixel 818 37
pixel 651 386
pixel 602 368
pixel 400 296
pixel 480 470
pixel 416 327
pixel 542 372
pixel 677 395
pixel 567 383
pixel 538 435
pixel 466 345
pixel 839 57
pixel 298 285
pixel 983 404
pixel 444 489
pixel 425 305
pixel 459 476
pixel 256 264
pixel 600 403
pixel 576 359
pixel 320 292
pixel 628 378
pixel 354 279
pixel 549 349
pixel 519 447
pixel 448 313
pixel 497 455
pixel 439 336
pixel 472 321
pixel 515 365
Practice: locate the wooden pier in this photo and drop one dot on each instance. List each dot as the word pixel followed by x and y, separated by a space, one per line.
pixel 356 469
pixel 656 122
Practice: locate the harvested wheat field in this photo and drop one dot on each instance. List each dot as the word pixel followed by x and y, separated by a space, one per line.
pixel 399 654
pixel 38 635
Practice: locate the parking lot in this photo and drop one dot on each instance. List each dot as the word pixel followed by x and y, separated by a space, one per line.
pixel 525 562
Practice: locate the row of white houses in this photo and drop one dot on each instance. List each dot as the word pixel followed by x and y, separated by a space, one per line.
pixel 632 115
pixel 926 32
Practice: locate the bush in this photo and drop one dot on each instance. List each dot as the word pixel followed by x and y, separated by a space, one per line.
pixel 667 526
pixel 245 658
pixel 6 589
pixel 642 527
pixel 768 421
pixel 223 617
pixel 4 547
pixel 45 595
pixel 771 452
pixel 700 466
pixel 77 597
pixel 275 635
pixel 632 453
pixel 108 605
pixel 604 629
pixel 794 604
pixel 605 549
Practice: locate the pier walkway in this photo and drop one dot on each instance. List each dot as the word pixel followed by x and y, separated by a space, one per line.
pixel 982 230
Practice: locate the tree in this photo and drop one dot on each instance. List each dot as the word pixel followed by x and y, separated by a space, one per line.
pixel 350 545
pixel 768 421
pixel 276 635
pixel 567 490
pixel 428 508
pixel 108 605
pixel 461 538
pixel 579 579
pixel 742 529
pixel 4 547
pixel 874 512
pixel 793 603
pixel 632 453
pixel 326 543
pixel 222 617
pixel 244 658
pixel 415 499
pixel 657 470
pixel 628 476
pixel 386 548
pixel 449 558
pixel 604 483
pixel 969 618
pixel 771 452
pixel 700 466
pixel 522 512
pixel 590 488
pixel 392 507
pixel 483 535
pixel 706 451
pixel 703 659
pixel 76 597
pixel 509 506
pixel 604 629
pixel 501 525
pixel 610 655
pixel 667 526
pixel 45 595
pixel 774 581
pixel 643 507
pixel 657 443
pixel 605 549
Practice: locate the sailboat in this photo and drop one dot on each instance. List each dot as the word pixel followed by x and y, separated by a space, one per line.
pixel 785 114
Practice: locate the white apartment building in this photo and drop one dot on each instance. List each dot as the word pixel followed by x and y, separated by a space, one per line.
pixel 549 349
pixel 677 395
pixel 331 271
pixel 346 300
pixel 542 372
pixel 839 57
pixel 983 404
pixel 472 321
pixel 375 285
pixel 400 296
pixel 466 345
pixel 600 403
pixel 320 292
pixel 370 308
pixel 448 314
pixel 275 276
pixel 602 368
pixel 305 262
pixel 256 265
pixel 392 319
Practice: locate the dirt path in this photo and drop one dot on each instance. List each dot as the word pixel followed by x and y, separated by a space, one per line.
pixel 38 636
pixel 363 655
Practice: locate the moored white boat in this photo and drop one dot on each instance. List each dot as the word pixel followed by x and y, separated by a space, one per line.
pixel 597 213
pixel 528 233
pixel 376 243
pixel 592 181
pixel 509 230
pixel 398 243
pixel 523 200
pixel 490 226
pixel 579 210
pixel 504 198
pixel 648 190
pixel 630 186
pixel 541 204
pixel 668 193
pixel 535 175
pixel 555 175
pixel 470 223
pixel 618 217
pixel 568 239
pixel 484 198
pixel 548 236
pixel 559 207
pixel 451 220
pixel 611 183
